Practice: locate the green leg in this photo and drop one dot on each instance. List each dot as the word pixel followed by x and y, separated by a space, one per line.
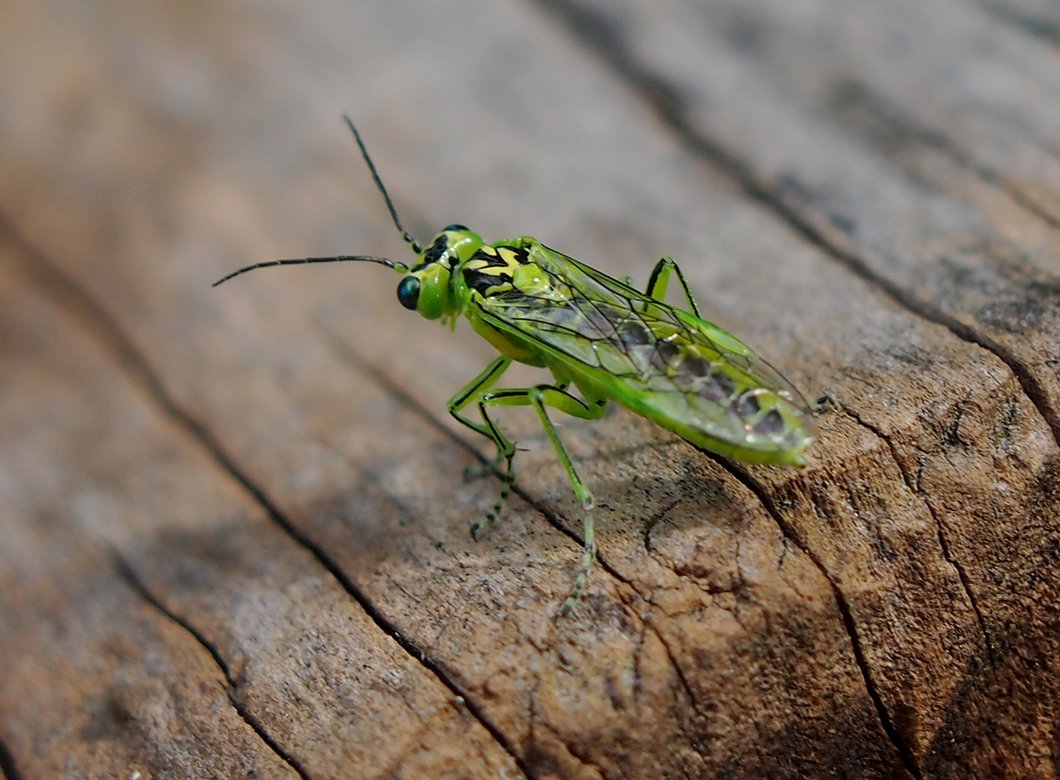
pixel 593 408
pixel 660 278
pixel 472 393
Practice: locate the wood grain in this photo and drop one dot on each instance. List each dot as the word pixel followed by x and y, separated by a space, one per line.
pixel 234 524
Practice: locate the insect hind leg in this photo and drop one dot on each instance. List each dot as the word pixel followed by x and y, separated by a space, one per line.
pixel 660 279
pixel 540 397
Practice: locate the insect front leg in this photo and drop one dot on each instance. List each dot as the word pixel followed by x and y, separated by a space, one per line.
pixel 590 409
pixel 473 393
pixel 660 278
pixel 470 394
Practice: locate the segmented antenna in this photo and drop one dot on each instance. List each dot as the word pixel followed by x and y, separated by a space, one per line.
pixel 412 242
pixel 397 266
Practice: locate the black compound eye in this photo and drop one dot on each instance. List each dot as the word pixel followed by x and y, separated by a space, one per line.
pixel 454 228
pixel 409 292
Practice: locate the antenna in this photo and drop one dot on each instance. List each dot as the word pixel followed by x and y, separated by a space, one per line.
pixel 412 242
pixel 396 265
pixel 400 267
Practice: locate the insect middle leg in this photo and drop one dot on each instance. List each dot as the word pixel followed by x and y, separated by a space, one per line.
pixel 592 408
pixel 660 278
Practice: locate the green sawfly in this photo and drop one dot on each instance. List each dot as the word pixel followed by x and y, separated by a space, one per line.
pixel 601 340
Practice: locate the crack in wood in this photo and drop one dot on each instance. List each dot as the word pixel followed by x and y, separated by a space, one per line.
pixel 693 701
pixel 548 762
pixel 125 571
pixel 394 389
pixel 845 613
pixel 684 572
pixel 58 285
pixel 854 93
pixel 602 37
pixel 7 763
pixel 944 546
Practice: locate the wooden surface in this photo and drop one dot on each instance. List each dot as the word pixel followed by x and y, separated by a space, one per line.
pixel 233 527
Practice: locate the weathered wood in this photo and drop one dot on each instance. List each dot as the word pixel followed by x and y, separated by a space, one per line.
pixel 174 638
pixel 234 528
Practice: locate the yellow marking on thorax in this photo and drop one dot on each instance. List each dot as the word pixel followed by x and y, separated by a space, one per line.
pixel 503 273
pixel 509 256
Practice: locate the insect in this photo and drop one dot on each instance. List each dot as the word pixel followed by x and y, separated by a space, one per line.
pixel 602 341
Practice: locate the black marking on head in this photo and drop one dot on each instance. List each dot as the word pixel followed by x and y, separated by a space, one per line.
pixel 436 250
pixel 408 292
pixel 455 229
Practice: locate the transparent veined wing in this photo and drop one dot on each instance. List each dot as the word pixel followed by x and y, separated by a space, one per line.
pixel 676 369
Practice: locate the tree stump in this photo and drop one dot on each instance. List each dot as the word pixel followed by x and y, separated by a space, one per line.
pixel 234 522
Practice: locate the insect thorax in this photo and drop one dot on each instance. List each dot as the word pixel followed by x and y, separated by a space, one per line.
pixel 492 269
